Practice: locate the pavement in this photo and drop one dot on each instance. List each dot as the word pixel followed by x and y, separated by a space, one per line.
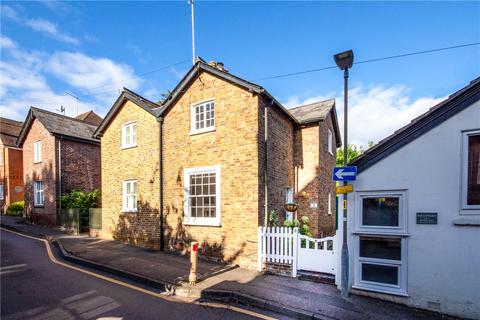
pixel 285 295
pixel 34 288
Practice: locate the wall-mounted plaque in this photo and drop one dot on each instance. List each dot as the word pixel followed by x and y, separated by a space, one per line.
pixel 18 189
pixel 427 218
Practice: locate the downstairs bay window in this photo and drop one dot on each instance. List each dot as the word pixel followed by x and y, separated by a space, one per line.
pixel 202 196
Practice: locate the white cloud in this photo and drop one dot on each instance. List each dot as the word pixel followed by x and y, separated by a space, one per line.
pixel 50 29
pixel 24 81
pixel 374 112
pixel 93 76
pixel 40 25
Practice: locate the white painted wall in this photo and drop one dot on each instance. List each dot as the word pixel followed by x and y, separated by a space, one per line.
pixel 444 259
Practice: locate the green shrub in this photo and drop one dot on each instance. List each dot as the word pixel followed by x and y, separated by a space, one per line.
pixel 16 208
pixel 273 220
pixel 81 200
pixel 303 225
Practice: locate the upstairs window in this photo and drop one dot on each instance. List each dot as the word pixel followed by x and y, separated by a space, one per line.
pixel 471 170
pixel 202 117
pixel 330 142
pixel 129 196
pixel 129 135
pixel 38 193
pixel 37 151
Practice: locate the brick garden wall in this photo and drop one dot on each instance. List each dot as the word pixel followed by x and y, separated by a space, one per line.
pixel 234 146
pixel 141 163
pixel 44 171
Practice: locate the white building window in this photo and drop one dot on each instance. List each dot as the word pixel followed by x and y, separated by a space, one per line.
pixel 330 142
pixel 2 195
pixel 380 242
pixel 471 170
pixel 202 117
pixel 129 196
pixel 329 203
pixel 37 151
pixel 38 193
pixel 202 196
pixel 129 135
pixel 289 199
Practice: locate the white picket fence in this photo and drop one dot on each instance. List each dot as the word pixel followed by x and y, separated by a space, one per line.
pixel 278 244
pixel 288 246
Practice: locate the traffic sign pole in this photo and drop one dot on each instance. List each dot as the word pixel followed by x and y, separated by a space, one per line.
pixel 345 195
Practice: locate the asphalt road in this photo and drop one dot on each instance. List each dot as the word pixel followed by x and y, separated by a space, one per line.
pixel 32 287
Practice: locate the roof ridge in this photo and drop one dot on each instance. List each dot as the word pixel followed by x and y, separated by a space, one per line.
pixel 309 104
pixel 141 97
pixel 62 116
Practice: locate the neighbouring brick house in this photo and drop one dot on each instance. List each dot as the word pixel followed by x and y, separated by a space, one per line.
pixel 11 165
pixel 209 164
pixel 59 155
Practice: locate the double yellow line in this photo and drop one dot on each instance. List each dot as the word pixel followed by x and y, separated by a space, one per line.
pixel 139 289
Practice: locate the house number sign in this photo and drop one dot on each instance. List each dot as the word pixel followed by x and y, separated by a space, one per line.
pixel 427 218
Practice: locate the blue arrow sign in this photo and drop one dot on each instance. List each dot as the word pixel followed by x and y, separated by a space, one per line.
pixel 344 173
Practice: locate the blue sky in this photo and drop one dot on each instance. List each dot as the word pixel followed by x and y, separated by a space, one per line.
pixel 90 48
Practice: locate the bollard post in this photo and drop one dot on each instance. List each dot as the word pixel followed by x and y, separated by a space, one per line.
pixel 192 278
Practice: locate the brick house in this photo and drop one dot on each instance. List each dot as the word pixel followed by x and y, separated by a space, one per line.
pixel 59 155
pixel 11 165
pixel 210 163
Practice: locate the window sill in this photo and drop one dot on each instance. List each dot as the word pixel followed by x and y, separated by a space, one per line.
pixel 129 211
pixel 35 162
pixel 127 147
pixel 383 234
pixel 202 223
pixel 467 222
pixel 385 291
pixel 196 132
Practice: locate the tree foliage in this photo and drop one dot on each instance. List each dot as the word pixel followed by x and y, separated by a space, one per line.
pixel 81 200
pixel 353 151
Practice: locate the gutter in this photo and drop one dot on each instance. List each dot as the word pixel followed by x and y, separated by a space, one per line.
pixel 160 162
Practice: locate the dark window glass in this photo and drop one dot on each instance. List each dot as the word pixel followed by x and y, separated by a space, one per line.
pixel 380 248
pixel 380 211
pixel 473 173
pixel 380 274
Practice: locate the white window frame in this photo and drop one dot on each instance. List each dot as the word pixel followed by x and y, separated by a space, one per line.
pixel 289 199
pixel 401 288
pixel 188 220
pixel 37 151
pixel 125 196
pixel 383 230
pixel 2 192
pixel 193 107
pixel 469 209
pixel 330 141
pixel 329 203
pixel 38 201
pixel 133 134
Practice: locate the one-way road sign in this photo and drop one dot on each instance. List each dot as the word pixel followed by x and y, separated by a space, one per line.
pixel 344 173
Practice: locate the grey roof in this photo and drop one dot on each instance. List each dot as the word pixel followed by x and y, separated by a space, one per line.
pixel 312 112
pixel 149 106
pixel 455 103
pixel 9 131
pixel 59 125
pixel 316 112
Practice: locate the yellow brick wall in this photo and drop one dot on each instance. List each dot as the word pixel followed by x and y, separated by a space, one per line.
pixel 233 146
pixel 140 163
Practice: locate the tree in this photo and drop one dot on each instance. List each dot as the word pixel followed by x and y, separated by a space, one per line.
pixel 353 151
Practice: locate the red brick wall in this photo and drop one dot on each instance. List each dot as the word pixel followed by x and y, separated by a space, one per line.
pixel 13 175
pixel 313 181
pixel 280 159
pixel 44 171
pixel 80 166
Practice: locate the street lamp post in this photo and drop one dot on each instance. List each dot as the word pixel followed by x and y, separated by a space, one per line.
pixel 344 61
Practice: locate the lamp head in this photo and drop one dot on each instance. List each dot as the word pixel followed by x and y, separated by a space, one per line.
pixel 344 60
